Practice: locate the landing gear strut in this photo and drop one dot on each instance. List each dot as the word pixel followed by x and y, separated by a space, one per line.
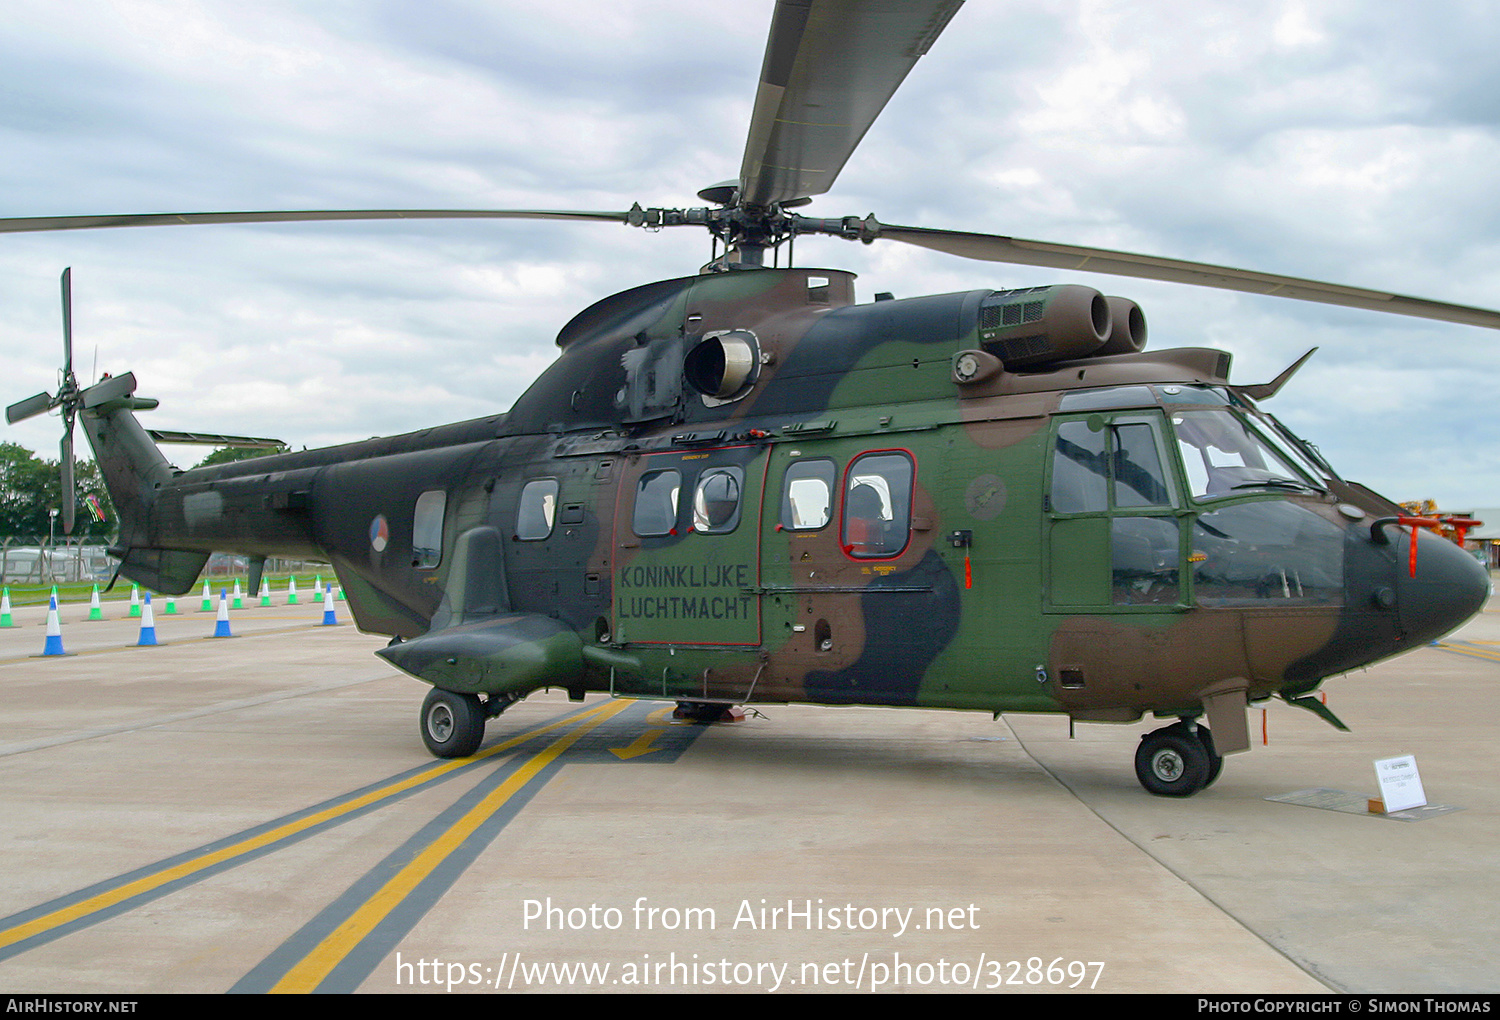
pixel 1177 760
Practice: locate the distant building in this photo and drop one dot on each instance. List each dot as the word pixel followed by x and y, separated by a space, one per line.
pixel 1485 540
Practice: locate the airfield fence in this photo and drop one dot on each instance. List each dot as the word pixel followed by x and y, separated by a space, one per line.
pixel 32 559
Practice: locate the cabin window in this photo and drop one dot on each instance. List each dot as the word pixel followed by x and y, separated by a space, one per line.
pixel 807 495
pixel 877 505
pixel 427 529
pixel 716 501
pixel 656 503
pixel 538 509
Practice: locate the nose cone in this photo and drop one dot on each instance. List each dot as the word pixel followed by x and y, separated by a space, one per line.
pixel 1449 587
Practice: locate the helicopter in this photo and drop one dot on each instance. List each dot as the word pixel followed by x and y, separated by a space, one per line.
pixel 743 486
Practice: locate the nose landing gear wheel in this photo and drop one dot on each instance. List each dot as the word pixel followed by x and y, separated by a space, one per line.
pixel 452 723
pixel 1173 762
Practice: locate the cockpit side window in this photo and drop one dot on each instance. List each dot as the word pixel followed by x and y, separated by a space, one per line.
pixel 1097 466
pixel 1139 480
pixel 1114 534
pixel 1080 469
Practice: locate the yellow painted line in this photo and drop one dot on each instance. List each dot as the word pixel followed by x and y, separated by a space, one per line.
pixel 1473 653
pixel 641 745
pixel 155 880
pixel 308 973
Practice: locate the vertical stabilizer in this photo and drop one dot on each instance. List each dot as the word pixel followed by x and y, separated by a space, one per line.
pixel 134 470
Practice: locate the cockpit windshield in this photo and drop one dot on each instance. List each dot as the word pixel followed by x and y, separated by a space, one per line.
pixel 1297 449
pixel 1225 457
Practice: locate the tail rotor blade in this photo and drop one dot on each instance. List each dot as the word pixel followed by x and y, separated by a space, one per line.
pixel 69 494
pixel 23 409
pixel 67 309
pixel 110 389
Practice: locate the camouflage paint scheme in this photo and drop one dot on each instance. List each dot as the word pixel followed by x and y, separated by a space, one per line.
pixel 994 600
pixel 743 486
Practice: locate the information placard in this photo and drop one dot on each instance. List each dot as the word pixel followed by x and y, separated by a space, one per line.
pixel 1400 784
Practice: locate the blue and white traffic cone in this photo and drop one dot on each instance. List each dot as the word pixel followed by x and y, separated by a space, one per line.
pixel 221 626
pixel 148 624
pixel 329 619
pixel 54 632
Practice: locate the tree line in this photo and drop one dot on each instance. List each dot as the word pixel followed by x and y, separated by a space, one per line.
pixel 31 487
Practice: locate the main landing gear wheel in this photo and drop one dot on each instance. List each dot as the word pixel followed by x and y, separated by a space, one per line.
pixel 1215 759
pixel 452 723
pixel 1176 762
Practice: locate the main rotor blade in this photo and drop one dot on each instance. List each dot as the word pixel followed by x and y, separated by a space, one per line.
pixel 26 224
pixel 995 248
pixel 830 68
pixel 23 409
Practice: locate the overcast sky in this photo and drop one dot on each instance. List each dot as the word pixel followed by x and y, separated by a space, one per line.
pixel 1355 142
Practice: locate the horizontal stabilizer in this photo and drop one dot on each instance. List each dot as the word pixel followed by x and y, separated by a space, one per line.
pixel 214 439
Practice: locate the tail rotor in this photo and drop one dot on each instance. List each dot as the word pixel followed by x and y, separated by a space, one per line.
pixel 70 399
